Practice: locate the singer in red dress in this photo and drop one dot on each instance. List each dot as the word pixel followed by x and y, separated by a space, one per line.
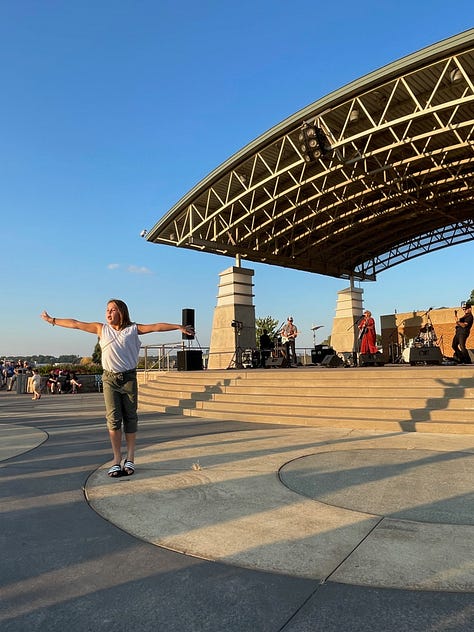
pixel 367 338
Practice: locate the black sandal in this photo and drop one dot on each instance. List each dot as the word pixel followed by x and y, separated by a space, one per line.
pixel 115 471
pixel 128 468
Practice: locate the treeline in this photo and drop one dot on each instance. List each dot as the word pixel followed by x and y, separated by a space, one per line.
pixel 71 362
pixel 47 359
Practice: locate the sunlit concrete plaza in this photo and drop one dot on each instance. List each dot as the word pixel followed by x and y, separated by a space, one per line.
pixel 230 525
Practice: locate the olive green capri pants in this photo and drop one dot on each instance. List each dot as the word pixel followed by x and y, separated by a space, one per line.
pixel 121 400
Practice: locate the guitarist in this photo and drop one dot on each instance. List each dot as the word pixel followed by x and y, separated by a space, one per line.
pixel 367 336
pixel 288 332
pixel 463 329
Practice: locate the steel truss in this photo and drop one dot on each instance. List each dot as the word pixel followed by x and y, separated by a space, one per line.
pixel 398 182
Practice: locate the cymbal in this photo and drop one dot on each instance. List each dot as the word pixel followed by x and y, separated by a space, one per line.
pixel 314 327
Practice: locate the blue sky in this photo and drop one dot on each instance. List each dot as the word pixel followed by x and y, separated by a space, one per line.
pixel 112 110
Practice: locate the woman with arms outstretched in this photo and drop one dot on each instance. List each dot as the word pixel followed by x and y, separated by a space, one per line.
pixel 120 346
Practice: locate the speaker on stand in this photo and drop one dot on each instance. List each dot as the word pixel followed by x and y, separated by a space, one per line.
pixel 188 359
pixel 187 318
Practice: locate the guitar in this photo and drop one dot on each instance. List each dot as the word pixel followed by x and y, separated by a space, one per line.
pixel 288 335
pixel 363 330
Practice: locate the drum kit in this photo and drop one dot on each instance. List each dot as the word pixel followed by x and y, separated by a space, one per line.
pixel 425 339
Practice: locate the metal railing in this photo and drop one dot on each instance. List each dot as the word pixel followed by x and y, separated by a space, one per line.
pixel 161 360
pixel 163 357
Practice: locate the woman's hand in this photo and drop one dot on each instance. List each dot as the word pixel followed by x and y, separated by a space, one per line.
pixel 45 316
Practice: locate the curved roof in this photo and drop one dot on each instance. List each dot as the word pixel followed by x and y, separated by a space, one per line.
pixel 395 179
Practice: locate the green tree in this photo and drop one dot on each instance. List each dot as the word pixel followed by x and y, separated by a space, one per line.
pixel 69 359
pixel 268 323
pixel 97 354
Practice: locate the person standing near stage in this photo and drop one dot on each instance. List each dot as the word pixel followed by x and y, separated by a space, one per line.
pixel 266 346
pixel 120 345
pixel 367 336
pixel 288 332
pixel 463 329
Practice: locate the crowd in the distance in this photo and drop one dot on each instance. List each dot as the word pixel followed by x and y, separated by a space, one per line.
pixel 58 381
pixel 9 372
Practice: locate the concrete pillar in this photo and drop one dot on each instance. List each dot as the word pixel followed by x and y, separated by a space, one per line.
pixel 234 304
pixel 348 309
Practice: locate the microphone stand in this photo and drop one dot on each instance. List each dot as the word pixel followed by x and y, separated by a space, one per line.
pixel 356 322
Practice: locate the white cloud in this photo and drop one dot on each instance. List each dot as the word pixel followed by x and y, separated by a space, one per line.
pixel 130 268
pixel 139 270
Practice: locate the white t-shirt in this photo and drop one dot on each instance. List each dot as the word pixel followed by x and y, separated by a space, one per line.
pixel 120 349
pixel 36 379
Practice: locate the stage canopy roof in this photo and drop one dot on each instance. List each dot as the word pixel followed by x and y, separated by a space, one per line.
pixel 391 178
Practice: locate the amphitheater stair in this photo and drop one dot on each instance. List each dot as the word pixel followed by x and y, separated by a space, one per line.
pixel 400 397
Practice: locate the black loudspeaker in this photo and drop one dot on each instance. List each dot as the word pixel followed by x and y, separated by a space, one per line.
pixel 423 355
pixel 371 359
pixel 320 352
pixel 189 360
pixel 187 318
pixel 332 361
pixel 274 362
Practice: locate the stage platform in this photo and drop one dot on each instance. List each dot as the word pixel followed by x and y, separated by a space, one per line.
pixel 384 398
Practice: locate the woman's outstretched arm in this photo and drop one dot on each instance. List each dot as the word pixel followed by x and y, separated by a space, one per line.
pixel 72 323
pixel 148 329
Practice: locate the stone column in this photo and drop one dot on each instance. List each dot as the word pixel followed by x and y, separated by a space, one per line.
pixel 234 305
pixel 348 309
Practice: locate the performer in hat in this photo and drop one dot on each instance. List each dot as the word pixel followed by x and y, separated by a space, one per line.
pixel 288 333
pixel 461 334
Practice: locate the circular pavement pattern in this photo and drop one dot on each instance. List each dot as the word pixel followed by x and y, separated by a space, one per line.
pixel 16 439
pixel 422 485
pixel 357 507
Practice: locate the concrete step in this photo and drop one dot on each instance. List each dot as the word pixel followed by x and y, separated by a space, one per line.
pixel 255 388
pixel 366 374
pixel 406 390
pixel 226 410
pixel 342 401
pixel 347 379
pixel 345 412
pixel 382 424
pixel 236 396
